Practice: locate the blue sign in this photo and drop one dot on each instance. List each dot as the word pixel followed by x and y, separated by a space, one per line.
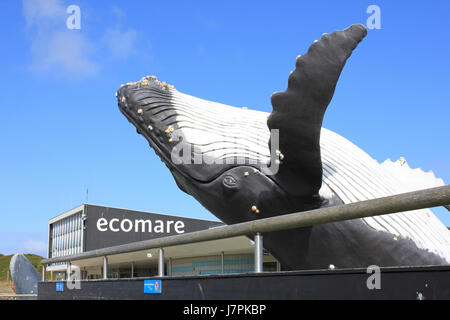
pixel 152 286
pixel 60 286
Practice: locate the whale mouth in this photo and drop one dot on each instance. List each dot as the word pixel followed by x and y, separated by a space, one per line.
pixel 198 138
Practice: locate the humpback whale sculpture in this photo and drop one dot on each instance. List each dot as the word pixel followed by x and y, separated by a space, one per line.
pixel 311 166
pixel 24 276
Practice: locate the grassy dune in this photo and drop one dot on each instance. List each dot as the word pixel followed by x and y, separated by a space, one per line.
pixel 5 286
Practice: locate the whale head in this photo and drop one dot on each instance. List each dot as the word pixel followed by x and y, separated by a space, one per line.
pixel 219 154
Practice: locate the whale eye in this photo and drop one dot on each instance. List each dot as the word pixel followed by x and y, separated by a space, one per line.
pixel 229 181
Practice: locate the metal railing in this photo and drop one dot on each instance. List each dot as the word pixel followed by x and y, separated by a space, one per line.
pixel 421 199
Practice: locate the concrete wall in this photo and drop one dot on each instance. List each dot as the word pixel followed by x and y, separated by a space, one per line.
pixel 396 283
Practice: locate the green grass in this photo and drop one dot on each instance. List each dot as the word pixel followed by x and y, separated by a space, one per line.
pixel 35 260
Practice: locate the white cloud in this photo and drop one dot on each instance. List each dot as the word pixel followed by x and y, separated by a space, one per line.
pixel 119 13
pixel 65 50
pixel 53 46
pixel 38 12
pixel 121 44
pixel 33 246
pixel 72 53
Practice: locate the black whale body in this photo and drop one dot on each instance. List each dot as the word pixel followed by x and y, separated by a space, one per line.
pixel 240 190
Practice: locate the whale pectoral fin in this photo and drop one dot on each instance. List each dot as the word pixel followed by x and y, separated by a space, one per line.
pixel 298 112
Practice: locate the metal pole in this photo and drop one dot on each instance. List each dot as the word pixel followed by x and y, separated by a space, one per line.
pixel 105 267
pixel 170 267
pixel 69 270
pixel 43 272
pixel 161 263
pixel 132 270
pixel 222 258
pixel 258 252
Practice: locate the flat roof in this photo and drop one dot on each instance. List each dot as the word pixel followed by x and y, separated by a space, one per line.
pixel 67 214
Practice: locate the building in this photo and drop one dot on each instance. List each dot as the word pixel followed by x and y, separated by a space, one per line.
pixel 90 227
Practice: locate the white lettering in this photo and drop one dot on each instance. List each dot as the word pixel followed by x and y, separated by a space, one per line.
pixel 74 20
pixel 111 225
pixel 179 226
pixel 374 21
pixel 168 223
pixel 374 281
pixel 143 223
pixel 140 225
pixel 101 224
pixel 159 226
pixel 130 225
pixel 73 281
pixel 211 311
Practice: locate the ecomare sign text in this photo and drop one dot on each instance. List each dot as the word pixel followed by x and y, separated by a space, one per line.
pixel 140 225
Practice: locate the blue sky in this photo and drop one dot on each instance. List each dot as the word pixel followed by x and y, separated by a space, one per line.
pixel 61 131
